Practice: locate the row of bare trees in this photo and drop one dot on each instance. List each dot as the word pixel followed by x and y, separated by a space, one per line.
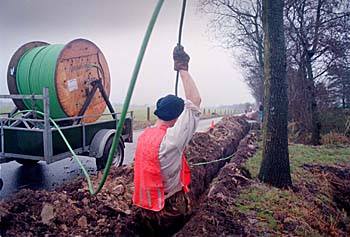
pixel 317 48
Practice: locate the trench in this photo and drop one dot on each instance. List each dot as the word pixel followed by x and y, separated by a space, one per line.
pixel 71 210
pixel 341 190
pixel 338 178
pixel 222 141
pixel 214 215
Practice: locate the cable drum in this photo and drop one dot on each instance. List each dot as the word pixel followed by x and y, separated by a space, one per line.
pixel 67 70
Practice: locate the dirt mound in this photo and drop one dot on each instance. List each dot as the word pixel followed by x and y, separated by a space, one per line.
pixel 71 210
pixel 219 142
pixel 339 181
pixel 214 216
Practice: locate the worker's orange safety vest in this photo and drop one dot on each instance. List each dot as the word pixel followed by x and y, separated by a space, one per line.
pixel 149 190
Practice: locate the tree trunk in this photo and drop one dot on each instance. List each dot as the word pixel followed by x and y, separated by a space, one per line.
pixel 275 168
pixel 315 121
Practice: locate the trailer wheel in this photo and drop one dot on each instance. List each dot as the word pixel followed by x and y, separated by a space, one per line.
pixel 118 156
pixel 27 162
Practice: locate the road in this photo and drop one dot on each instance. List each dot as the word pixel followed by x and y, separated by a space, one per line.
pixel 43 176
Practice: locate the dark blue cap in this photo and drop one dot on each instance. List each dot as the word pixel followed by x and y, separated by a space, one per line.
pixel 169 107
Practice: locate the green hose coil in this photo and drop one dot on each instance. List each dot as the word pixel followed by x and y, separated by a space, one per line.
pixel 36 70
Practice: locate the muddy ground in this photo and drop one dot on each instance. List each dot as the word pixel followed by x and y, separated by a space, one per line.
pixel 71 210
pixel 213 216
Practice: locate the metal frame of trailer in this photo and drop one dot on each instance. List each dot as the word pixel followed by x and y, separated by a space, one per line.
pixel 30 137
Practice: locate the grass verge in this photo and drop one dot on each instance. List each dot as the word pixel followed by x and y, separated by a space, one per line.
pixel 310 211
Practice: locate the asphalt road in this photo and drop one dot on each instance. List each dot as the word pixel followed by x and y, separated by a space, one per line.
pixel 43 176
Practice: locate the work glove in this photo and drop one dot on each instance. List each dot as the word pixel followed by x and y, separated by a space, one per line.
pixel 181 58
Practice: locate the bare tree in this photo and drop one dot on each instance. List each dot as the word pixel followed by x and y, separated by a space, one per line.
pixel 312 29
pixel 339 85
pixel 316 32
pixel 237 25
pixel 299 97
pixel 338 74
pixel 275 168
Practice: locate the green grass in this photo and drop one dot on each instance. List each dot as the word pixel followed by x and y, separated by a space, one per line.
pixel 264 202
pixel 253 164
pixel 5 108
pixel 301 154
pixel 140 113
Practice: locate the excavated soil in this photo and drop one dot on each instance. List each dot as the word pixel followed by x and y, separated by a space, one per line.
pixel 216 187
pixel 338 179
pixel 213 216
pixel 70 210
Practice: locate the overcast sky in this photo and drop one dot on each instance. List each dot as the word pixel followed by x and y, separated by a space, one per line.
pixel 117 27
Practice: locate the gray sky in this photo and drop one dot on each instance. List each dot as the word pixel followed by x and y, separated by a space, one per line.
pixel 117 27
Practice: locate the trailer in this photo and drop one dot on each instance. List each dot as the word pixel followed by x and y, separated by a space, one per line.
pixel 67 85
pixel 31 137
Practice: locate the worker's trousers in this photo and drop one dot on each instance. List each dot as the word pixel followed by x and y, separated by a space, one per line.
pixel 176 212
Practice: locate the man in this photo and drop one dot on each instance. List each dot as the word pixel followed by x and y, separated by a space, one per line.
pixel 261 112
pixel 161 173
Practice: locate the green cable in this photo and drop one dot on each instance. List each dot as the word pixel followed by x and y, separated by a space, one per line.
pixel 124 111
pixel 130 91
pixel 86 174
pixel 179 40
pixel 212 161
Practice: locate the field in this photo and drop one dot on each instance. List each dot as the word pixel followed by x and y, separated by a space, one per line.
pixel 142 113
pixel 5 107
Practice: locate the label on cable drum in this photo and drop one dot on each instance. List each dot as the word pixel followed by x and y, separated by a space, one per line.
pixel 72 85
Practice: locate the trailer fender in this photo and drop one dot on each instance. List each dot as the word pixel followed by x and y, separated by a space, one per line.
pixel 99 141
